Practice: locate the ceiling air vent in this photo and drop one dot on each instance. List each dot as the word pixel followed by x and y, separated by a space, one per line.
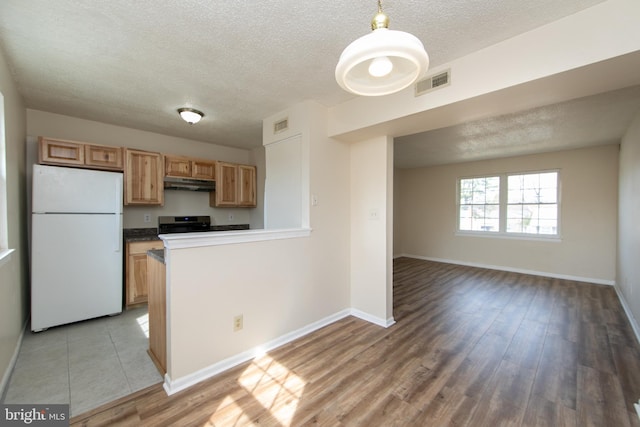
pixel 433 82
pixel 281 126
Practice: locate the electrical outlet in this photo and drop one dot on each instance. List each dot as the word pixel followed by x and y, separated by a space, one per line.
pixel 237 323
pixel 374 214
pixel 147 217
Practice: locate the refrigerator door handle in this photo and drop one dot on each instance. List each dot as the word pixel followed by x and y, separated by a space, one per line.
pixel 118 213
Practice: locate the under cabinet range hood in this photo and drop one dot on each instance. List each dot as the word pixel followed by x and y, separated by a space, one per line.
pixel 188 184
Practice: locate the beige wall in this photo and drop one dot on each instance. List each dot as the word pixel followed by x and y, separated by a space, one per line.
pixel 371 223
pixel 40 123
pixel 426 216
pixel 13 272
pixel 628 269
pixel 279 286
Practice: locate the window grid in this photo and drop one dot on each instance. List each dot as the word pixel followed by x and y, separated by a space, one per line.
pixel 532 203
pixel 480 204
pixel 515 204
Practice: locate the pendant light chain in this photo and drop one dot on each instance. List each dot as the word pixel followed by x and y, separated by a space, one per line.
pixel 381 20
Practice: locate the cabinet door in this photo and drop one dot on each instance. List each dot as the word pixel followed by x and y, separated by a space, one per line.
pixel 58 152
pixel 202 169
pixel 177 166
pixel 226 182
pixel 136 282
pixel 156 275
pixel 103 157
pixel 143 177
pixel 247 186
pixel 137 289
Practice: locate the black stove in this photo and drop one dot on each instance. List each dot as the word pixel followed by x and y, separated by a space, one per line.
pixel 183 224
pixel 193 224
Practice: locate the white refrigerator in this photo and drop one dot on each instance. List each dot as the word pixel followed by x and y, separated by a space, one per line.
pixel 76 245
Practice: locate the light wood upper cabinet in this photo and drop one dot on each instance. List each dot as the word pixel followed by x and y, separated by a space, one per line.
pixel 247 186
pixel 203 169
pixel 79 154
pixel 177 166
pixel 186 167
pixel 235 186
pixel 143 177
pixel 136 283
pixel 104 157
pixel 59 152
pixel 226 194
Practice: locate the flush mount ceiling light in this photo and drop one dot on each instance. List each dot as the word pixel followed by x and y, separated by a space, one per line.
pixel 190 115
pixel 382 62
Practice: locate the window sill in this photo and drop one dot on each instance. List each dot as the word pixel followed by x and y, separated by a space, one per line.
pixel 5 256
pixel 530 237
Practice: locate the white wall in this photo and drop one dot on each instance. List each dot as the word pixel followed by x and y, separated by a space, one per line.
pixel 13 271
pixel 426 216
pixel 40 123
pixel 628 268
pixel 279 286
pixel 371 225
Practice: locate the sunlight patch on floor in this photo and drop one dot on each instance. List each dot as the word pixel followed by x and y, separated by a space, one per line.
pixel 272 386
pixel 143 322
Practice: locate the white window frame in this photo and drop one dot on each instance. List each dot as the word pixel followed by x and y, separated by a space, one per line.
pixel 502 233
pixel 5 252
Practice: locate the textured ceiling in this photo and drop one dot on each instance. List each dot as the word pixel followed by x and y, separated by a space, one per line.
pixel 589 121
pixel 133 63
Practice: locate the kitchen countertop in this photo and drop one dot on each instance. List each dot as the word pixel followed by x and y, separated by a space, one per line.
pixel 157 254
pixel 147 234
pixel 140 234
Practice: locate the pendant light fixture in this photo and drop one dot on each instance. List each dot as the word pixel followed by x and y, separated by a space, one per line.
pixel 382 62
pixel 190 115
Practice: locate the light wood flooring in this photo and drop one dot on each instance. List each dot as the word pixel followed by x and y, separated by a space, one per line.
pixel 471 347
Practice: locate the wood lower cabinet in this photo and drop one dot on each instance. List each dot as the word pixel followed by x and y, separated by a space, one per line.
pixel 78 154
pixel 143 178
pixel 136 281
pixel 156 273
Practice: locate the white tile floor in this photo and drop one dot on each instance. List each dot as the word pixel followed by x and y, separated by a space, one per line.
pixel 85 364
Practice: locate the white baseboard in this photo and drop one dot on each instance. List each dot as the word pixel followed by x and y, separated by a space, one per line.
pixel 12 363
pixel 627 310
pixel 513 270
pixel 172 386
pixel 372 319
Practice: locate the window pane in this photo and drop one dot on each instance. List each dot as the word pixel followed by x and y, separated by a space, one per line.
pixel 532 203
pixel 514 196
pixel 549 212
pixel 548 195
pixel 479 204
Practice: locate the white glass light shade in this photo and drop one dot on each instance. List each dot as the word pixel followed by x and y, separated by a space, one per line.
pixel 405 51
pixel 190 115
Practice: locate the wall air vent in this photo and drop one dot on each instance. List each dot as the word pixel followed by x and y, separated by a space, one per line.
pixel 432 82
pixel 281 126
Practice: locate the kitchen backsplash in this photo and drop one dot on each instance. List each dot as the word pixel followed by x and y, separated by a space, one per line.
pixel 180 203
